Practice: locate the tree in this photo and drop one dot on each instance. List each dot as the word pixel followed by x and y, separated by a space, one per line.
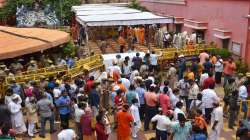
pixel 62 8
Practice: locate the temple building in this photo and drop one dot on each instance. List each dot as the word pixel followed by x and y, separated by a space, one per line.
pixel 225 22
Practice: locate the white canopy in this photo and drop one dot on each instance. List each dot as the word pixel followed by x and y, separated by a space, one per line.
pixel 108 15
pixel 96 7
pixel 106 12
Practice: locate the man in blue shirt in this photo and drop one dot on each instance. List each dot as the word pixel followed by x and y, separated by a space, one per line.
pixel 63 104
pixel 16 88
pixel 94 100
pixel 140 91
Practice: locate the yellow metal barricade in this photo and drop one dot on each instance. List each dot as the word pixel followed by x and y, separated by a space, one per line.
pixel 244 106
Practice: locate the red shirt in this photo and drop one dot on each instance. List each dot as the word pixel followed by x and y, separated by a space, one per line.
pixel 119 103
pixel 151 99
pixel 164 102
pixel 89 85
pixel 100 132
pixel 207 82
pixel 229 68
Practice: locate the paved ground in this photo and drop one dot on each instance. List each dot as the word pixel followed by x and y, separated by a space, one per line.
pixel 227 134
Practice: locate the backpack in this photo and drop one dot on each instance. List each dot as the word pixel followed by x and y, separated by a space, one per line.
pixel 193 110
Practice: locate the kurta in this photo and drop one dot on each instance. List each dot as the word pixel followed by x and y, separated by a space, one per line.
pixel 172 77
pixel 217 115
pixel 17 118
pixel 141 36
pixel 32 113
pixel 124 119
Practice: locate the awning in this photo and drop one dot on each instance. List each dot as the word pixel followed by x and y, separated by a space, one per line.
pixel 222 33
pixel 106 12
pixel 15 42
pixel 108 15
pixel 198 25
pixel 122 19
pixel 96 7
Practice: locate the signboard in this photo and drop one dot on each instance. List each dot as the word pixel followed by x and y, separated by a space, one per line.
pixel 236 48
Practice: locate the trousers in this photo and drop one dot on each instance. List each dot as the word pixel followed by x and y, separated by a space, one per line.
pixel 161 135
pixel 65 119
pixel 149 114
pixel 31 127
pixel 232 118
pixel 43 123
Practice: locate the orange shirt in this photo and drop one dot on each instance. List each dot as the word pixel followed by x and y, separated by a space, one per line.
pixel 122 88
pixel 151 99
pixel 124 119
pixel 121 41
pixel 200 122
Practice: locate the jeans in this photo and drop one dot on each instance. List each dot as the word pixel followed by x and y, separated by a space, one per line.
pixel 226 78
pixel 142 111
pixel 65 119
pixel 43 123
pixel 218 77
pixel 149 114
pixel 161 135
pixel 208 112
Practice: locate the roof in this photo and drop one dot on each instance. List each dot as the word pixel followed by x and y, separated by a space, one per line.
pixel 20 41
pixel 111 15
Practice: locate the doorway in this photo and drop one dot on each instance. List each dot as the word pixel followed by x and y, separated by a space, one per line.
pixel 225 43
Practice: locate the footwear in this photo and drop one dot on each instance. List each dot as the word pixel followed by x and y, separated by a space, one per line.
pixel 53 131
pixel 32 136
pixel 41 136
pixel 35 131
pixel 134 137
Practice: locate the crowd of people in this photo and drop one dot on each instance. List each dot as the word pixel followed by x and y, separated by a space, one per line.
pixel 131 95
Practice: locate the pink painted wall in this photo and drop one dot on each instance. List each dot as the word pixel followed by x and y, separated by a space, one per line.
pixel 228 14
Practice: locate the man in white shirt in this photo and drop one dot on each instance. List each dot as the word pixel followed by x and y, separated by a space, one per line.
pixel 209 97
pixel 193 92
pixel 204 76
pixel 243 96
pixel 66 133
pixel 56 91
pixel 163 124
pixel 136 116
pixel 218 71
pixel 243 92
pixel 178 110
pixel 79 111
pixel 153 61
pixel 216 121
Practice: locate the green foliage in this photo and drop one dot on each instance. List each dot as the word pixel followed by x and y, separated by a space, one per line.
pixel 135 5
pixel 69 49
pixel 241 66
pixel 62 8
pixel 224 53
